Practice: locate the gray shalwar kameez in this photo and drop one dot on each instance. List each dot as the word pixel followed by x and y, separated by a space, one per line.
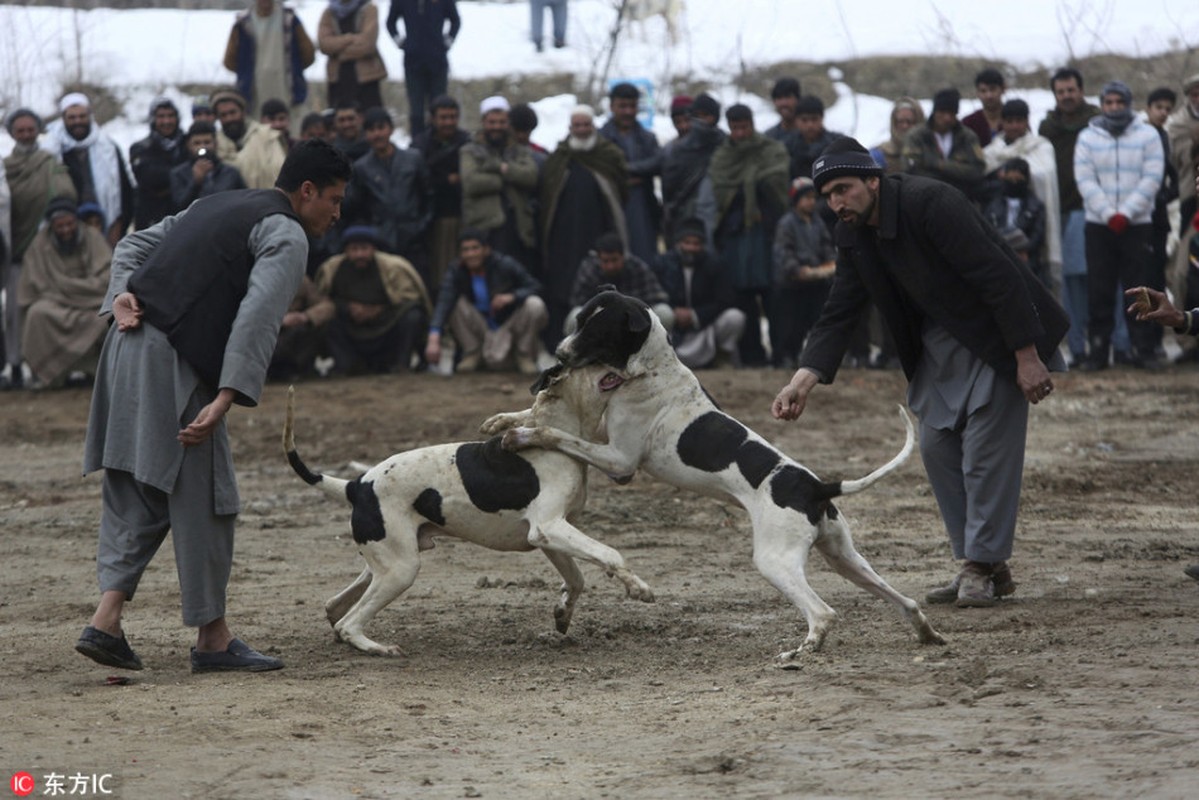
pixel 145 394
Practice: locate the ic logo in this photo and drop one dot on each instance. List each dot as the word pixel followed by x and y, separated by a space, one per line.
pixel 22 784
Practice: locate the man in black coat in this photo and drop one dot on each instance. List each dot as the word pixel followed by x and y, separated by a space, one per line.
pixel 974 331
pixel 152 160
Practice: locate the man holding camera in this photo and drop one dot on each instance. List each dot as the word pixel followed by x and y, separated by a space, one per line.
pixel 203 173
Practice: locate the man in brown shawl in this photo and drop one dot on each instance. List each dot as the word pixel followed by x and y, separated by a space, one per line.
pixel 63 283
pixel 583 191
pixel 749 173
pixel 34 177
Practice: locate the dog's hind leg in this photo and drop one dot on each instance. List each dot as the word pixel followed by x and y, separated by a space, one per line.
pixel 560 535
pixel 836 545
pixel 340 603
pixel 388 582
pixel 572 587
pixel 781 556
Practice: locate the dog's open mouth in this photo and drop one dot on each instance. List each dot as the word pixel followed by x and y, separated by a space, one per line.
pixel 610 381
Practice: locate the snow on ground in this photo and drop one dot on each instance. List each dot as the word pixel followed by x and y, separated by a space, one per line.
pixel 146 52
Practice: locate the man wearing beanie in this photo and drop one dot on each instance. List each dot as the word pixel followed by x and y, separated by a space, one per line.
pixel 685 167
pixel 1118 164
pixel 974 331
pixel 152 160
pixel 945 149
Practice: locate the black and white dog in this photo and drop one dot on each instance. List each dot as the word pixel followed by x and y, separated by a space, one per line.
pixel 475 491
pixel 660 420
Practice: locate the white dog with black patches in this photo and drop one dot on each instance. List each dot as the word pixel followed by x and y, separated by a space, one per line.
pixel 660 420
pixel 478 492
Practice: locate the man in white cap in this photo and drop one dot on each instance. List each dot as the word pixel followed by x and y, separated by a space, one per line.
pixel 499 179
pixel 94 162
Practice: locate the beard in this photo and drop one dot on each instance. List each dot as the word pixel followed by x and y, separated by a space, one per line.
pixel 860 220
pixel 575 143
pixel 79 132
pixel 235 130
pixel 69 245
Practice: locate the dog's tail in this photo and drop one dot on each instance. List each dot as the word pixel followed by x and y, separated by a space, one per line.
pixel 849 487
pixel 327 483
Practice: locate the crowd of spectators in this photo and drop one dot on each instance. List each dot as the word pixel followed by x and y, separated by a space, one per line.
pixel 484 239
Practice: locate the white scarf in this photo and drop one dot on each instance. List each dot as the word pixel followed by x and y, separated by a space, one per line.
pixel 105 162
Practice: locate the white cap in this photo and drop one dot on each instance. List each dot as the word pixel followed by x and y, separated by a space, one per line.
pixel 74 99
pixel 583 111
pixel 494 103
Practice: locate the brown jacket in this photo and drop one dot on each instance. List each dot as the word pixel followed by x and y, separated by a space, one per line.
pixel 360 47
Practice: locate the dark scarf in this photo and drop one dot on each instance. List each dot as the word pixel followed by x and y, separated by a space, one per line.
pixel 605 159
pixel 344 9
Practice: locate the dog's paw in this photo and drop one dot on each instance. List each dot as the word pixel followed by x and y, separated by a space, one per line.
pixel 497 424
pixel 518 438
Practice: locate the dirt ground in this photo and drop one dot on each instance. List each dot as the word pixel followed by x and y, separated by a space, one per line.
pixel 1083 685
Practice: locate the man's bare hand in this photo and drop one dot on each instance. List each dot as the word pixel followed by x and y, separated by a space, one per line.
pixel 206 421
pixel 127 311
pixel 1032 375
pixel 791 400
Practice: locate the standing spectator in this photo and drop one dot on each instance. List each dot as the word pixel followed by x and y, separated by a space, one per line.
pixel 1119 164
pixel 94 162
pixel 804 259
pixel 391 192
pixel 1159 105
pixel 707 324
pixel 203 173
pixel 680 115
pixel 426 43
pixel 382 307
pixel 313 127
pixel 348 34
pixel 523 121
pixel 256 150
pixel 1018 207
pixel 642 213
pixel 202 110
pixel 812 138
pixel 33 178
pixel 1016 140
pixel 785 95
pixel 608 265
pixel 441 145
pixel 987 121
pixel 685 169
pixel 489 304
pixel 945 149
pixel 1061 127
pixel 63 283
pixel 749 182
pixel 499 184
pixel 166 458
pixel 905 115
pixel 5 266
pixel 349 136
pixel 269 50
pixel 583 192
pixel 974 330
pixel 537 21
pixel 152 160
pixel 301 334
pixel 1182 128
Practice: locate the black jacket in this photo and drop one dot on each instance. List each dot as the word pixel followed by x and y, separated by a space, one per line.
pixel 152 162
pixel 933 256
pixel 504 274
pixel 711 288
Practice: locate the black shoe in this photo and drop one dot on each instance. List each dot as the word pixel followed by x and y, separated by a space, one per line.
pixel 1192 571
pixel 1093 364
pixel 238 657
pixel 106 649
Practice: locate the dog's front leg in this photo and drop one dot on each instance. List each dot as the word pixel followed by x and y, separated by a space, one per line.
pixel 610 459
pixel 498 423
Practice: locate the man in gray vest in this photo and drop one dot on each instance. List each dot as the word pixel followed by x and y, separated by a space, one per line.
pixel 197 301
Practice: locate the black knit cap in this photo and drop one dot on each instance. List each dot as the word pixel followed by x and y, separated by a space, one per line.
pixel 845 156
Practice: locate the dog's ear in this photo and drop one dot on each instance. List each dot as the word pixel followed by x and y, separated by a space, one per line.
pixel 547 378
pixel 638 363
pixel 639 320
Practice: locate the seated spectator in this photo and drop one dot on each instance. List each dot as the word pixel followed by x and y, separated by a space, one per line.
pixel 204 173
pixel 276 116
pixel 707 324
pixel 804 263
pixel 382 308
pixel 63 283
pixel 609 265
pixel 302 333
pixel 1019 208
pixel 391 191
pixel 257 150
pixel 152 159
pixel 91 215
pixel 347 130
pixel 945 149
pixel 491 307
